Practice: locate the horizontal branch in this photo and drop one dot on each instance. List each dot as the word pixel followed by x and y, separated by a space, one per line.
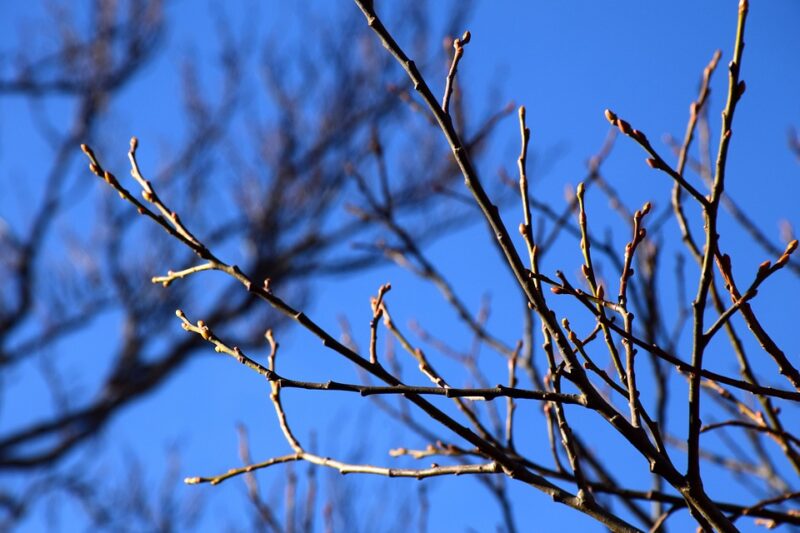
pixel 171 276
pixel 499 391
pixel 753 427
pixel 349 468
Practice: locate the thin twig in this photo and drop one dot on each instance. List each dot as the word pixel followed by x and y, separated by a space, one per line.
pixel 458 52
pixel 627 317
pixel 711 207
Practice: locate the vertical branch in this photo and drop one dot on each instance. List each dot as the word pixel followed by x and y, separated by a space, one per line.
pixel 627 317
pixel 569 445
pixel 526 358
pixel 510 406
pixel 557 417
pixel 275 396
pixel 597 291
pixel 694 112
pixel 526 228
pixel 550 407
pixel 377 313
pixel 458 52
pixel 736 89
pixel 698 120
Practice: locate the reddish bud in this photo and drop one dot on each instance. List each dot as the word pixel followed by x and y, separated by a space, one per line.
pixel 790 248
pixel 610 116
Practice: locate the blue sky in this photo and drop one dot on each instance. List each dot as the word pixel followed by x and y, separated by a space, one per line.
pixel 566 64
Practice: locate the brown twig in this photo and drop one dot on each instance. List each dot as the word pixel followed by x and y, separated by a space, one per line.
pixel 655 160
pixel 765 270
pixel 526 228
pixel 597 290
pixel 694 112
pixel 500 391
pixel 349 468
pixel 458 52
pixel 627 317
pixel 377 313
pixel 510 405
pixel 711 208
pixel 782 435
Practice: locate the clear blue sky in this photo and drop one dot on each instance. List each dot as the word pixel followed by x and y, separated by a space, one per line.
pixel 566 63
